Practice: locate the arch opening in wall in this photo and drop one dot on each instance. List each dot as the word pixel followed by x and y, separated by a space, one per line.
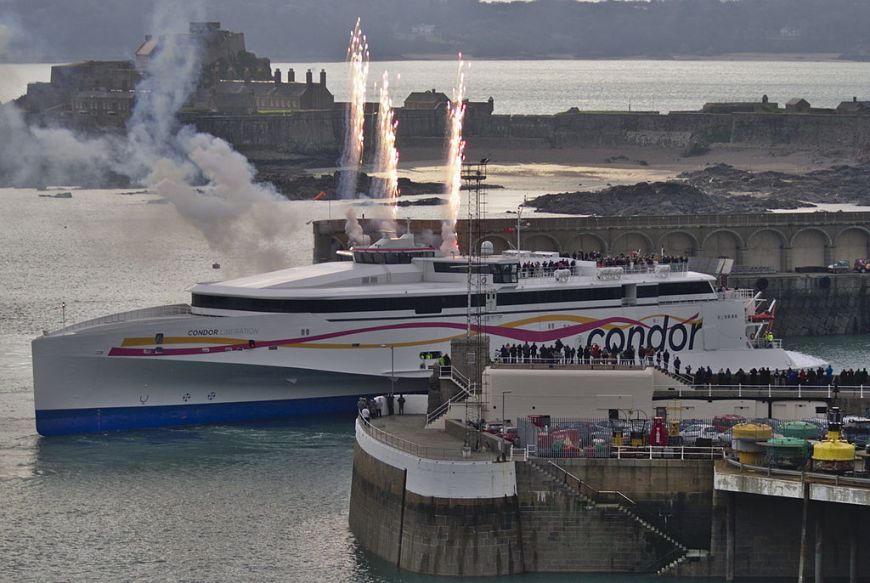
pixel 679 243
pixel 764 249
pixel 628 242
pixel 851 244
pixel 588 243
pixel 540 242
pixel 808 248
pixel 722 243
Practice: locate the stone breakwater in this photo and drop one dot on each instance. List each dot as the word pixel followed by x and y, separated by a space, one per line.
pixel 321 132
pixel 815 304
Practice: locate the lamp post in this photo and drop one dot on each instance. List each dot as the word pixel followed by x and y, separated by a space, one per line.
pixel 503 416
pixel 520 224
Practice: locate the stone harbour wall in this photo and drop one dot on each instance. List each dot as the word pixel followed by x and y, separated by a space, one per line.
pixel 815 304
pixel 767 538
pixel 319 132
pixel 545 527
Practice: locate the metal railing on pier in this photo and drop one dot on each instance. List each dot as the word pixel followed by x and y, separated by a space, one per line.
pixel 769 391
pixel 435 453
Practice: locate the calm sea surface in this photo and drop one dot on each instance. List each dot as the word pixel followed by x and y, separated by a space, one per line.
pixel 264 503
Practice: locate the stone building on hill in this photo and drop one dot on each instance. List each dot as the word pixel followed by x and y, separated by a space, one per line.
pixel 763 106
pixel 854 107
pixel 246 97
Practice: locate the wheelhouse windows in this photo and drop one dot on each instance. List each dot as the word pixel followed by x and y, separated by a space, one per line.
pixel 389 257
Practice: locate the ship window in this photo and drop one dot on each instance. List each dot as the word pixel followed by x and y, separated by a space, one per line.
pixel 504 273
pixel 685 288
pixel 158 338
pixel 647 291
pixel 419 304
pixel 450 267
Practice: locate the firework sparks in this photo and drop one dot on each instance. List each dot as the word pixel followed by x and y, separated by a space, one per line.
pixel 455 155
pixel 358 72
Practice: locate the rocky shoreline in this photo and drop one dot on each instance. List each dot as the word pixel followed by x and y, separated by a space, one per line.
pixel 718 188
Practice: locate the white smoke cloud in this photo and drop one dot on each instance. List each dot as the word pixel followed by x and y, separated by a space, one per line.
pixel 32 155
pixel 211 185
pixel 354 231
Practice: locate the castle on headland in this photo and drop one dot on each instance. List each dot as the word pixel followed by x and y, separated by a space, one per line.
pixel 240 98
pixel 231 80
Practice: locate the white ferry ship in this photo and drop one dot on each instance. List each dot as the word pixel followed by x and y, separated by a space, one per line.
pixel 310 340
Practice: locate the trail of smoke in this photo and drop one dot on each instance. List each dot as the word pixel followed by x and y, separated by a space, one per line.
pixel 354 230
pixel 385 181
pixel 211 185
pixel 455 154
pixel 358 71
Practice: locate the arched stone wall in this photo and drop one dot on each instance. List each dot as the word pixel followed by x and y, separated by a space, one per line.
pixel 722 243
pixel 679 243
pixel 764 249
pixel 540 242
pixel 851 244
pixel 634 241
pixel 808 248
pixel 588 243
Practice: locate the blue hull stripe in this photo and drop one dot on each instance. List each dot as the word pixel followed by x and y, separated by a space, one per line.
pixel 66 421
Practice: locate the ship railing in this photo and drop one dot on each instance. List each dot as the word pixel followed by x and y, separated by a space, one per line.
pixel 737 294
pixel 662 270
pixel 408 446
pixel 576 363
pixel 173 310
pixel 783 391
pixel 762 343
pixel 541 273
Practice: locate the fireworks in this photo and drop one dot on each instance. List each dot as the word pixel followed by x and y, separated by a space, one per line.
pixel 358 72
pixel 456 148
pixel 385 184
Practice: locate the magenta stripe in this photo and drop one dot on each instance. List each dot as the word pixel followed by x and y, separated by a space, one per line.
pixel 503 331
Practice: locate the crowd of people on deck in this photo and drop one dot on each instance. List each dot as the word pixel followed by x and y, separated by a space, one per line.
pixel 632 259
pixel 635 258
pixel 810 377
pixel 546 268
pixel 561 353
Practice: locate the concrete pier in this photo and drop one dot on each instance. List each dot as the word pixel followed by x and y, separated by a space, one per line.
pixel 421 502
pixel 784 524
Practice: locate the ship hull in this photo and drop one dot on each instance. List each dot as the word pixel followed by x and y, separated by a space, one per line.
pixel 198 368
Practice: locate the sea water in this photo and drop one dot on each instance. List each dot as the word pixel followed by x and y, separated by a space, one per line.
pixel 227 503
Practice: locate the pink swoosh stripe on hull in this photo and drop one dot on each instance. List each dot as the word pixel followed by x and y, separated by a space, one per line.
pixel 513 333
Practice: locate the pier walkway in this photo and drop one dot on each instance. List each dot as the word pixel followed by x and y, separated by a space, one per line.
pixel 408 433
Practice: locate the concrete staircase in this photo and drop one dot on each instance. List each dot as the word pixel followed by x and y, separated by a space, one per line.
pixel 435 419
pixel 555 476
pixel 689 555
